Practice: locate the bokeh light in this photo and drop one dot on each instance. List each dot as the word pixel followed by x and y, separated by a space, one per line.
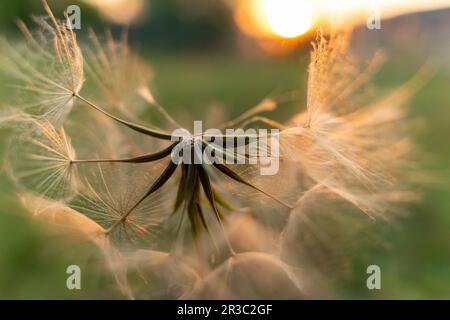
pixel 119 11
pixel 288 18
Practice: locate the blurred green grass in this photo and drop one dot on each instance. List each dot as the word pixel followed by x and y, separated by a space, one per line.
pixel 416 263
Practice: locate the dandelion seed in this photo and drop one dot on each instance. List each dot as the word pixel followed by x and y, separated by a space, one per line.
pixel 117 74
pixel 355 150
pixel 40 159
pixel 49 69
pixel 112 190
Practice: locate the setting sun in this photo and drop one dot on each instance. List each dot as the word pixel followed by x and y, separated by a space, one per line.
pixel 288 18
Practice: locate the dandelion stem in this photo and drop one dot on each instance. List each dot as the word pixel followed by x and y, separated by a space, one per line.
pixel 265 105
pixel 230 173
pixel 209 192
pixel 140 159
pixel 133 126
pixel 267 121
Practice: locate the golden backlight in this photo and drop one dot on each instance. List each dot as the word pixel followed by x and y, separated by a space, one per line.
pixel 288 18
pixel 268 19
pixel 119 11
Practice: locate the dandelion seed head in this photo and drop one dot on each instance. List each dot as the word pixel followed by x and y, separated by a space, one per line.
pixel 209 230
